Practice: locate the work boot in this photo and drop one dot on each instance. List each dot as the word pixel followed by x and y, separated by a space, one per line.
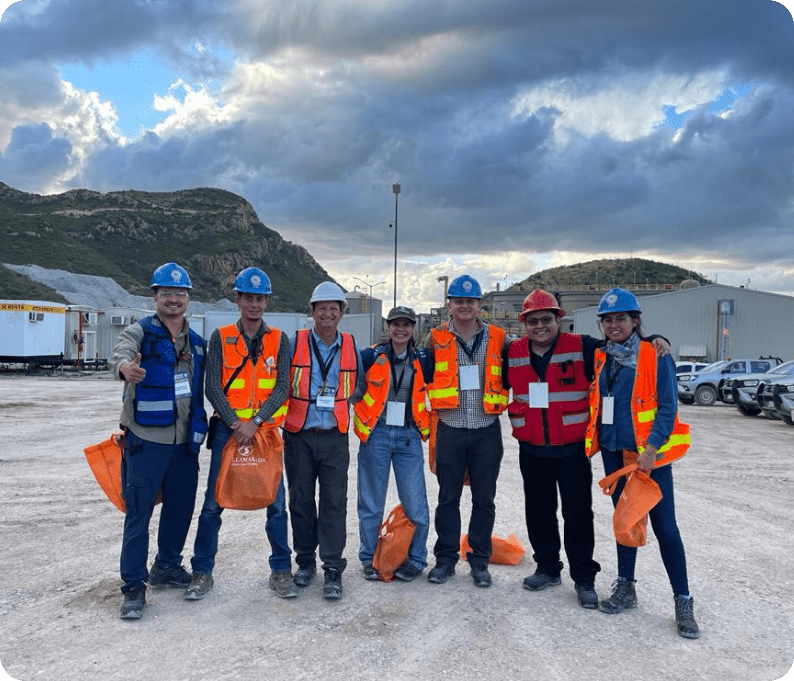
pixel 440 573
pixel 540 581
pixel 407 572
pixel 304 576
pixel 480 575
pixel 685 617
pixel 370 573
pixel 586 594
pixel 177 577
pixel 332 589
pixel 200 586
pixel 623 597
pixel 134 603
pixel 283 584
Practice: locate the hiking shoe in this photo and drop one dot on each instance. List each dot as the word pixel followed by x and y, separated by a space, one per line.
pixel 333 584
pixel 200 586
pixel 480 575
pixel 283 584
pixel 134 603
pixel 177 578
pixel 623 597
pixel 407 572
pixel 585 592
pixel 370 573
pixel 440 573
pixel 685 617
pixel 304 576
pixel 540 581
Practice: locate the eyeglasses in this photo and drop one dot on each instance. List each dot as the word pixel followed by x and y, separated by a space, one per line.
pixel 168 295
pixel 615 319
pixel 546 320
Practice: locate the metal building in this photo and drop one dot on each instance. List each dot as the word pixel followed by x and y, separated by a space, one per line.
pixel 714 322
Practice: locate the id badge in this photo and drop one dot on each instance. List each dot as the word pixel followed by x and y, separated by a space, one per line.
pixel 539 395
pixel 395 413
pixel 607 410
pixel 181 384
pixel 469 377
pixel 325 402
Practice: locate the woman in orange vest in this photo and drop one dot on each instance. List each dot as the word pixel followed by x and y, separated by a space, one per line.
pixel 633 407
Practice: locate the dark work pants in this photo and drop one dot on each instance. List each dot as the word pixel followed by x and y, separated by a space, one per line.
pixel 146 469
pixel 573 477
pixel 311 458
pixel 480 451
pixel 663 522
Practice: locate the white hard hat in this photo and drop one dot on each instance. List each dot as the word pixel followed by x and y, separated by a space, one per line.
pixel 328 291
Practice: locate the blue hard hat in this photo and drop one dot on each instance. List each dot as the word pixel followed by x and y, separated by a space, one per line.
pixel 170 275
pixel 619 300
pixel 464 286
pixel 252 280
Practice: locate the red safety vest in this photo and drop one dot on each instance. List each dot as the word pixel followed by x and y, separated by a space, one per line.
pixel 253 384
pixel 565 420
pixel 443 391
pixel 644 403
pixel 367 412
pixel 300 382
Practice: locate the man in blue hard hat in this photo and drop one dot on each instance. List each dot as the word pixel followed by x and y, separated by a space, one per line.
pixel 467 396
pixel 161 361
pixel 247 384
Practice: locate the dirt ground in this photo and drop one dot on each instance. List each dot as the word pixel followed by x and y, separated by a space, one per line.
pixel 59 584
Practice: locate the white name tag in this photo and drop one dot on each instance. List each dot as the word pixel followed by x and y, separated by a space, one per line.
pixel 607 410
pixel 539 395
pixel 181 384
pixel 395 413
pixel 325 402
pixel 469 377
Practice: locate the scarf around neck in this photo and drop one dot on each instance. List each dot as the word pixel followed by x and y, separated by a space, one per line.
pixel 625 353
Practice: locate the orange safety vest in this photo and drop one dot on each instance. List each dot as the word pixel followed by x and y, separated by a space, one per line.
pixel 443 391
pixel 301 377
pixel 564 421
pixel 252 386
pixel 367 411
pixel 644 403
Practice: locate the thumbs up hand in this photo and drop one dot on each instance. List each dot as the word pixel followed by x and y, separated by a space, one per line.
pixel 132 371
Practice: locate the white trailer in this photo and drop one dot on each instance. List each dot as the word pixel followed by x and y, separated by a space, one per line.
pixel 31 331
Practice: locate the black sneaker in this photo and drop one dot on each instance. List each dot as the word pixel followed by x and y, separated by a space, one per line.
pixel 685 617
pixel 370 573
pixel 440 573
pixel 585 592
pixel 540 581
pixel 623 597
pixel 407 572
pixel 304 576
pixel 200 585
pixel 480 575
pixel 332 589
pixel 177 578
pixel 134 603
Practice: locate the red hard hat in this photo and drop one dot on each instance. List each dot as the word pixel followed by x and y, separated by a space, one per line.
pixel 539 300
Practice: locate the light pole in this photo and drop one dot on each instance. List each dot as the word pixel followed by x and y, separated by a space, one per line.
pixel 396 189
pixel 369 302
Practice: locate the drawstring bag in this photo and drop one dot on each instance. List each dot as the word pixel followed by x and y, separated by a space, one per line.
pixel 250 475
pixel 104 459
pixel 640 494
pixel 508 551
pixel 394 541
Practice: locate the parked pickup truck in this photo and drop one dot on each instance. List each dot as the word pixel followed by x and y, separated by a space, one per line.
pixel 702 386
pixel 777 399
pixel 743 390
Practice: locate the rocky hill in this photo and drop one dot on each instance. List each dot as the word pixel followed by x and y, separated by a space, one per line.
pixel 124 235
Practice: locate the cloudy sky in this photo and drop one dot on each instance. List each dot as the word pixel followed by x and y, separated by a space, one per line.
pixel 524 133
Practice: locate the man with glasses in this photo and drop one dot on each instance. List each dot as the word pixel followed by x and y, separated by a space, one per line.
pixel 161 361
pixel 550 374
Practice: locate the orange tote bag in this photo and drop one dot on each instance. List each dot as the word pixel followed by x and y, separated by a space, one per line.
pixel 640 494
pixel 250 475
pixel 394 540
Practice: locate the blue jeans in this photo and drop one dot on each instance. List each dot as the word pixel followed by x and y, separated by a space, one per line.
pixel 206 544
pixel 401 448
pixel 665 528
pixel 146 469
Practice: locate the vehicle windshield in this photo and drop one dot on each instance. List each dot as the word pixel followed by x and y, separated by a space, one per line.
pixel 713 367
pixel 785 368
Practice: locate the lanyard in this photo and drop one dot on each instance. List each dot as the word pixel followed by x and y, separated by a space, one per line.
pixel 393 360
pixel 475 346
pixel 613 369
pixel 325 367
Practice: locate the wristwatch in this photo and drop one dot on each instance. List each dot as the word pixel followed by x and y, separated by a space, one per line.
pixel 258 420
